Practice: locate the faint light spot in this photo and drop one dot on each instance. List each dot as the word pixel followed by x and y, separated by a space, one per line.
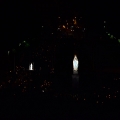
pixel 111 36
pixel 8 52
pixel 9 81
pixel 119 40
pixel 104 21
pixel 19 44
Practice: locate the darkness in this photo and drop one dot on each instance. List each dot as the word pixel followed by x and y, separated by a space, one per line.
pixel 98 57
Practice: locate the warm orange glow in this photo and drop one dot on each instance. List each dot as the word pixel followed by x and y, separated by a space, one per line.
pixel 75 22
pixel 63 26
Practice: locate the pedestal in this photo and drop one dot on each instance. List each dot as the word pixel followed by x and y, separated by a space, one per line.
pixel 75 83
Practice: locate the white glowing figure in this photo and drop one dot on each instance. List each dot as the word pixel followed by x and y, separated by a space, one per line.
pixel 75 63
pixel 31 67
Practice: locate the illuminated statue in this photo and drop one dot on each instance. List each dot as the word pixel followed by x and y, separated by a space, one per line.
pixel 75 76
pixel 31 67
pixel 75 63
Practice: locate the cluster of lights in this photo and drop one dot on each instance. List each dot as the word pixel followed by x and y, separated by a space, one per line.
pixel 45 85
pixel 24 43
pixel 110 35
pixel 71 28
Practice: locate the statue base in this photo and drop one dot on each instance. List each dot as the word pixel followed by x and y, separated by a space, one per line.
pixel 75 83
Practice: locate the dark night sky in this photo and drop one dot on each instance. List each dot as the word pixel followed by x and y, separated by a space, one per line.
pixel 19 19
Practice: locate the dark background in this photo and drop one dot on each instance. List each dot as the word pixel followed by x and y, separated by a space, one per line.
pixel 23 20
